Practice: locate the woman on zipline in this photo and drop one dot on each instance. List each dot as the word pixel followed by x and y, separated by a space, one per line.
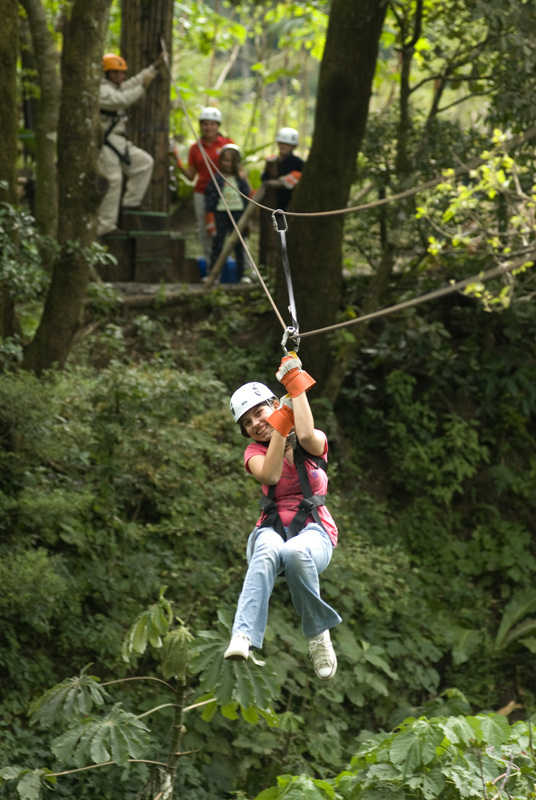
pixel 296 533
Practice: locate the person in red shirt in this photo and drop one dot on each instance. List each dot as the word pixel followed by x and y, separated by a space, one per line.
pixel 212 142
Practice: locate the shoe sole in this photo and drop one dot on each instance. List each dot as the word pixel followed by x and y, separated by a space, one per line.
pixel 235 657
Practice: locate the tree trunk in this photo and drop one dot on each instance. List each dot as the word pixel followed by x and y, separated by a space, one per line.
pixel 9 38
pixel 78 147
pixel 45 54
pixel 390 231
pixel 8 151
pixel 269 249
pixel 344 90
pixel 144 25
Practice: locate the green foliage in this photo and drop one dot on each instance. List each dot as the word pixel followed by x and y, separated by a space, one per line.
pixel 116 737
pixel 119 736
pixel 489 217
pixel 74 696
pixel 441 758
pixel 259 33
pixel 149 626
pixel 513 625
pixel 250 686
pixel 21 254
pixel 120 480
pixel 176 653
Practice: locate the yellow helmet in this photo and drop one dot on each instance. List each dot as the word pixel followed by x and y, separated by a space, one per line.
pixel 112 61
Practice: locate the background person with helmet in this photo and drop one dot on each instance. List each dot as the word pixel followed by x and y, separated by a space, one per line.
pixel 118 156
pixel 296 533
pixel 283 171
pixel 212 142
pixel 218 223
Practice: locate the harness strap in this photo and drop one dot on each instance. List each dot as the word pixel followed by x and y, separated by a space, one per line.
pixel 115 118
pixel 309 503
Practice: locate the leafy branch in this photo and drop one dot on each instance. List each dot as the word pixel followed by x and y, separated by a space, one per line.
pixel 121 737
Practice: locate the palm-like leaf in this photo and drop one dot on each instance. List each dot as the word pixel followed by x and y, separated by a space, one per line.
pixel 149 626
pixel 116 737
pixel 249 685
pixel 73 696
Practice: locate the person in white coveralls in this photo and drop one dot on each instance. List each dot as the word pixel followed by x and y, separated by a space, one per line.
pixel 119 157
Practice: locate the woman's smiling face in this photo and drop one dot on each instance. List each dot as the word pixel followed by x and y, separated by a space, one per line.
pixel 255 422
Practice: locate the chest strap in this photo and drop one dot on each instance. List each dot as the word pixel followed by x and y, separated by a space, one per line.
pixel 309 503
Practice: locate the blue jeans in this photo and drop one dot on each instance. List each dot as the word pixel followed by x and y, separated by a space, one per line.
pixel 302 558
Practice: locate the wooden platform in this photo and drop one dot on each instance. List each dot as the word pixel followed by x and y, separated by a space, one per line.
pixel 147 252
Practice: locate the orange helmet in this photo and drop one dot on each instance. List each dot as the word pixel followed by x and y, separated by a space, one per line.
pixel 112 61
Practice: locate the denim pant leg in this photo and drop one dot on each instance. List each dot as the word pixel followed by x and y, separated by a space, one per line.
pixel 304 558
pixel 264 565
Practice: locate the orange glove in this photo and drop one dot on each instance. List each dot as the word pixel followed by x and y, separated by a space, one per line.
pixel 293 377
pixel 290 180
pixel 282 419
pixel 210 222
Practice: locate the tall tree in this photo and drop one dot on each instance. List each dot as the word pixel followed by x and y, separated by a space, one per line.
pixel 8 151
pixel 8 98
pixel 344 91
pixel 46 59
pixel 145 27
pixel 451 57
pixel 78 143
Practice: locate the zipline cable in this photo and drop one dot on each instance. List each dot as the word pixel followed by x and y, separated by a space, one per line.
pixel 482 277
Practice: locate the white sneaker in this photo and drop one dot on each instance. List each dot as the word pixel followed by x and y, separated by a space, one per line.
pixel 238 649
pixel 323 655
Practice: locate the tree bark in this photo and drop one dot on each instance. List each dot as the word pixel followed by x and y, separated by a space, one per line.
pixel 9 39
pixel 8 151
pixel 144 25
pixel 78 146
pixel 45 54
pixel 345 84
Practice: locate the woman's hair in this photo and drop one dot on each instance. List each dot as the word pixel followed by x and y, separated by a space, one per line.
pixel 235 156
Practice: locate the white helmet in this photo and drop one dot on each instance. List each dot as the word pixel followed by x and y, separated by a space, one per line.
pixel 287 136
pixel 248 396
pixel 210 113
pixel 231 146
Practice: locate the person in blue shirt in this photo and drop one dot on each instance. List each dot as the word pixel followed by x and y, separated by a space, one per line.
pixel 283 171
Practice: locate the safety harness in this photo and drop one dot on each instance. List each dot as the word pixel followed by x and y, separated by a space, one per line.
pixel 115 119
pixel 309 503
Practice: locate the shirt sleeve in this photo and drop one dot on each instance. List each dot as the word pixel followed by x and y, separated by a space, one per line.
pixel 253 449
pixel 113 98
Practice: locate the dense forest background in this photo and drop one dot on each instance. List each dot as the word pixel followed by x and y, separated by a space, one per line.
pixel 124 506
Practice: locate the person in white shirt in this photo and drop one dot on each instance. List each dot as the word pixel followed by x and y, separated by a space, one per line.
pixel 118 156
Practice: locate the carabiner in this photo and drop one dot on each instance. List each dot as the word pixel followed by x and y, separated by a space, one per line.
pixel 293 334
pixel 274 220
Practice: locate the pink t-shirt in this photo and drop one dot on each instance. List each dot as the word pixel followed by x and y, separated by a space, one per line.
pixel 288 492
